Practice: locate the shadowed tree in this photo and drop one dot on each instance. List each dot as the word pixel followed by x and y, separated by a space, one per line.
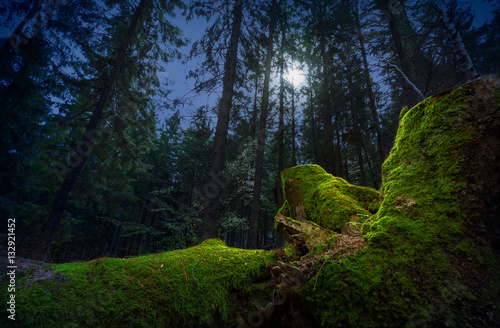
pixel 123 38
pixel 215 183
pixel 253 238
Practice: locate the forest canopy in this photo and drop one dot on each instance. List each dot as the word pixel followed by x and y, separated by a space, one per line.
pixel 100 156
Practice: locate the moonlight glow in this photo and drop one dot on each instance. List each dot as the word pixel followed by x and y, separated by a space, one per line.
pixel 295 76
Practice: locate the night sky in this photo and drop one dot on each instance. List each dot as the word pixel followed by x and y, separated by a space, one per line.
pixel 176 71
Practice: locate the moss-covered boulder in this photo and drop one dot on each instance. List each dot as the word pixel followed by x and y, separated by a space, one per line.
pixel 331 202
pixel 432 255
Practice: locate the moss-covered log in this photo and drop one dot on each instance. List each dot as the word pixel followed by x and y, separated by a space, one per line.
pixel 305 235
pixel 206 285
pixel 314 195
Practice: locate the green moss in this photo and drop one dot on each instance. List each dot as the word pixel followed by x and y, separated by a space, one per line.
pixel 421 176
pixel 318 249
pixel 289 253
pixel 327 200
pixel 197 286
pixel 333 239
pixel 396 281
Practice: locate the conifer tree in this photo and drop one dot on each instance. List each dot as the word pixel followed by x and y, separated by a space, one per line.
pixel 212 205
pixel 253 240
pixel 117 70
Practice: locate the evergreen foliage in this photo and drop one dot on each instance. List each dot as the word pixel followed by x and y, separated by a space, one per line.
pixel 144 186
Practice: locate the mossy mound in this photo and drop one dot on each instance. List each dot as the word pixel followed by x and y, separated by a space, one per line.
pixel 427 264
pixel 314 195
pixel 195 287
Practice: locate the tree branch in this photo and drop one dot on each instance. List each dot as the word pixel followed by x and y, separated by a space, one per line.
pixel 407 80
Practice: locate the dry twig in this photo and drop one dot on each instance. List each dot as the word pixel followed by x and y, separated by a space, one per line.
pixel 192 272
pixel 184 270
pixel 263 259
pixel 90 272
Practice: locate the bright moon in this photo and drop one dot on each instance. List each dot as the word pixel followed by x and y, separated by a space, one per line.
pixel 295 76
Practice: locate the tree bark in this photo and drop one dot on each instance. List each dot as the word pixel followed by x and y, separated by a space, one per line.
pixel 294 155
pixel 253 238
pixel 329 151
pixel 371 96
pixel 213 187
pixel 464 59
pixel 87 143
pixel 358 141
pixel 313 126
pixel 400 52
pixel 254 112
pixel 281 124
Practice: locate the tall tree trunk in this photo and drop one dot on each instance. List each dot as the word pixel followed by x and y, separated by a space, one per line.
pixel 400 51
pixel 253 239
pixel 87 143
pixel 338 148
pixel 371 96
pixel 358 141
pixel 313 126
pixel 294 155
pixel 254 113
pixel 374 177
pixel 329 150
pixel 212 202
pixel 281 123
pixel 464 59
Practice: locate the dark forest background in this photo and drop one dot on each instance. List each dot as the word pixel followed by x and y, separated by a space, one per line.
pixel 99 159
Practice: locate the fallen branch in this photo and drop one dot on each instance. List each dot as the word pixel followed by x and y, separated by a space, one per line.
pixel 90 272
pixel 263 259
pixel 184 270
pixel 317 275
pixel 407 80
pixel 192 272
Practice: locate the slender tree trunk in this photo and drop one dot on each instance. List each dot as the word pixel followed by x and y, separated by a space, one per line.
pixel 464 59
pixel 253 239
pixel 401 55
pixel 358 142
pixel 338 148
pixel 329 151
pixel 371 96
pixel 346 168
pixel 254 113
pixel 213 188
pixel 313 128
pixel 265 236
pixel 281 123
pixel 294 155
pixel 86 145
pixel 374 178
